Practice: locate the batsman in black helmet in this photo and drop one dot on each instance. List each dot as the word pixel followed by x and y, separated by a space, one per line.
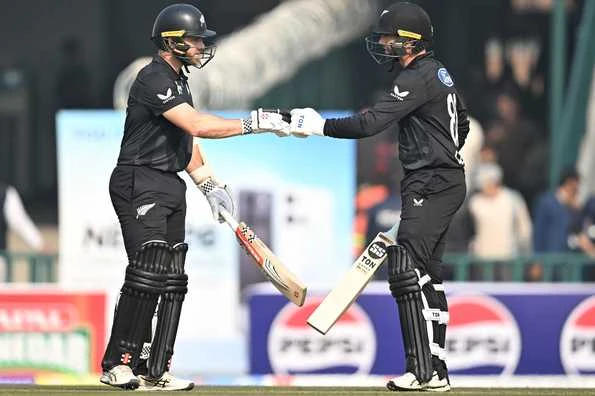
pixel 433 125
pixel 149 197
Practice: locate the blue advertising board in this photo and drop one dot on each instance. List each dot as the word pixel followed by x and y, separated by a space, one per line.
pixel 493 329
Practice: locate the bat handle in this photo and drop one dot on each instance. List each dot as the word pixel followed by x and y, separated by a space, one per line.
pixel 393 231
pixel 229 219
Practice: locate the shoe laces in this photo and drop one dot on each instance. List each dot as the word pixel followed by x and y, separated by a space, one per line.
pixel 165 379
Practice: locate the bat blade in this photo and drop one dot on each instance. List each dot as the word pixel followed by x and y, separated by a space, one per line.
pixel 270 265
pixel 351 285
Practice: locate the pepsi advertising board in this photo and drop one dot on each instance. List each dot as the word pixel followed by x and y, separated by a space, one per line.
pixel 494 329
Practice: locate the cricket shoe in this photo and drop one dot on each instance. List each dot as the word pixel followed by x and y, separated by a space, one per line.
pixel 167 382
pixel 408 382
pixel 120 376
pixel 437 384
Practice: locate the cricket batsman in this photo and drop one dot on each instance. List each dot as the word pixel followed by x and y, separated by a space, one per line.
pixel 150 198
pixel 432 118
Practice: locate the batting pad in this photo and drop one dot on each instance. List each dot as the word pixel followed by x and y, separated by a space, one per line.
pixel 143 284
pixel 406 287
pixel 168 316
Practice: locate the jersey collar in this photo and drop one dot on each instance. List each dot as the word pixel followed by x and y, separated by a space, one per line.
pixel 418 58
pixel 162 63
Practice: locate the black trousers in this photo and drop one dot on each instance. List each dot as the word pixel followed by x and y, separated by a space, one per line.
pixel 150 204
pixel 430 198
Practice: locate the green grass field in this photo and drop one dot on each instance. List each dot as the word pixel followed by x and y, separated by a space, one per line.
pixel 285 391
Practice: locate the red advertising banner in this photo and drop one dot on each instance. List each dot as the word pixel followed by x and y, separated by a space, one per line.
pixel 46 332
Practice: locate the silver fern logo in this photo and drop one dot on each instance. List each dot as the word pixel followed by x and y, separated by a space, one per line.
pixel 143 209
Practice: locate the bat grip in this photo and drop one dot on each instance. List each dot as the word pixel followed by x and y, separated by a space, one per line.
pixel 229 219
pixel 393 231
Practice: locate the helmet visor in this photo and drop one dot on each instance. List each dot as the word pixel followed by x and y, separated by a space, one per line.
pixel 200 59
pixel 192 51
pixel 383 52
pixel 203 57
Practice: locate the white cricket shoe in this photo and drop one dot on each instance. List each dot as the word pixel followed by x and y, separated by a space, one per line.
pixel 167 382
pixel 120 376
pixel 408 382
pixel 405 382
pixel 435 384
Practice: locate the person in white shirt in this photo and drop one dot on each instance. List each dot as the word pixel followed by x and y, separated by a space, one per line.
pixel 14 217
pixel 501 218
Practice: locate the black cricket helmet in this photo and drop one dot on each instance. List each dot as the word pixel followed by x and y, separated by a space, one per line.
pixel 409 23
pixel 177 21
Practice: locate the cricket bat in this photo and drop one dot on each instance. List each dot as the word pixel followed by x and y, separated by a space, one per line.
pixel 352 284
pixel 269 264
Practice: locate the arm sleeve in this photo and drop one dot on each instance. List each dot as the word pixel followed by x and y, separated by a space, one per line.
pixel 19 221
pixel 463 127
pixel 158 92
pixel 407 96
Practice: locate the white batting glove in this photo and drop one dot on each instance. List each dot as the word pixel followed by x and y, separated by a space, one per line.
pixel 267 120
pixel 306 122
pixel 219 196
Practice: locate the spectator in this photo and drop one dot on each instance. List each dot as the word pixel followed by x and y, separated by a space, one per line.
pixel 500 217
pixel 518 143
pixel 14 217
pixel 487 155
pixel 554 213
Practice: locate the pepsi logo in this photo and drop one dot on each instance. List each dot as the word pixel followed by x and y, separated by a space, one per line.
pixel 482 336
pixel 37 317
pixel 577 342
pixel 295 348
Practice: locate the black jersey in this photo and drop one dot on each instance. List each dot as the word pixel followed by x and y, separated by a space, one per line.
pixel 432 118
pixel 149 138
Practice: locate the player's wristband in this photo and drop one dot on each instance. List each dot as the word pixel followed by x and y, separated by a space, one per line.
pixel 201 174
pixel 247 126
pixel 207 186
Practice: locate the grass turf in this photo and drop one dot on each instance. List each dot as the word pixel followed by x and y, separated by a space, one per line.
pixel 285 391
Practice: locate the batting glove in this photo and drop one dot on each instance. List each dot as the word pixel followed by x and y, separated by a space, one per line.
pixel 219 196
pixel 267 120
pixel 306 122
